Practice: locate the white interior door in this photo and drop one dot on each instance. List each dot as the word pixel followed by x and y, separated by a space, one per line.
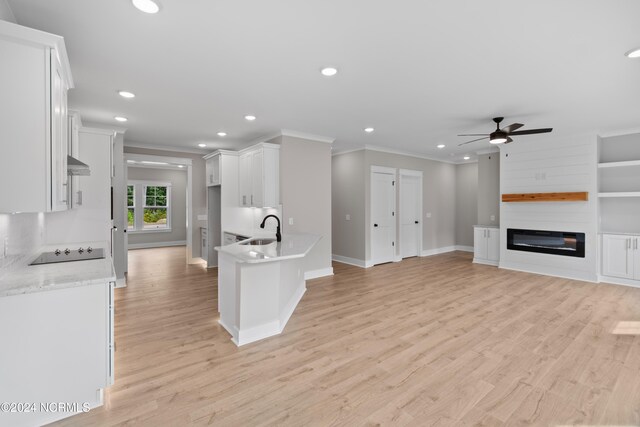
pixel 410 215
pixel 383 224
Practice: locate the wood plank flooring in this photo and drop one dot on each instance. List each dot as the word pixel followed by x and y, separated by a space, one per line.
pixel 428 341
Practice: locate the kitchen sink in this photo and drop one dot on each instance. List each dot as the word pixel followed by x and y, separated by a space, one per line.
pixel 258 242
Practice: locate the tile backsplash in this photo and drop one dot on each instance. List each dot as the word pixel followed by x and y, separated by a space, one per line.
pixel 21 235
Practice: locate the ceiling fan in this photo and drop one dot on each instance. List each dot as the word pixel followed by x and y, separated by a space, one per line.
pixel 503 135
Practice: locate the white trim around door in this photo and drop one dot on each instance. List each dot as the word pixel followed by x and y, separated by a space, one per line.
pixel 410 213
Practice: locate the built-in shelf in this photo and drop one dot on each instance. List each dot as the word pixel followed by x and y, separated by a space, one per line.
pixel 581 196
pixel 620 194
pixel 619 164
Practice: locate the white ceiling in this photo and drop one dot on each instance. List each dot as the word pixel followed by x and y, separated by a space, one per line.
pixel 417 71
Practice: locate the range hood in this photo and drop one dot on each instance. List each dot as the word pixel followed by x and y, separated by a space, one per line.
pixel 77 168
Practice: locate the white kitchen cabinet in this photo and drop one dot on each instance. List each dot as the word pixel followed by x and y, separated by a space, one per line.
pixel 621 256
pixel 62 354
pixel 486 245
pixel 74 190
pixel 35 77
pixel 259 176
pixel 213 170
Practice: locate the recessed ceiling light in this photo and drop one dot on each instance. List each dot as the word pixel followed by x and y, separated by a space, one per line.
pixel 466 157
pixel 121 119
pixel 125 94
pixel 180 166
pixel 329 71
pixel 633 53
pixel 202 145
pixel 222 134
pixel 440 145
pixel 147 6
pixel 369 130
pixel 250 117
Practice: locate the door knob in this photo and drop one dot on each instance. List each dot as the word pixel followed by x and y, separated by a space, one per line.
pixel 416 222
pixel 375 225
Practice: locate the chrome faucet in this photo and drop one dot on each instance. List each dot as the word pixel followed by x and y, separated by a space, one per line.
pixel 278 235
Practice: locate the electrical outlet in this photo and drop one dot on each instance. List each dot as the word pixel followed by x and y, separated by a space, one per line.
pixel 428 214
pixel 493 217
pixel 290 221
pixel 348 217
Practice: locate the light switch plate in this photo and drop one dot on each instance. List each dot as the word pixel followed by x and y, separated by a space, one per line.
pixel 428 214
pixel 290 221
pixel 493 217
pixel 202 217
pixel 348 217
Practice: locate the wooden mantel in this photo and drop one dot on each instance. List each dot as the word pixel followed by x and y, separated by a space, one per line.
pixel 582 196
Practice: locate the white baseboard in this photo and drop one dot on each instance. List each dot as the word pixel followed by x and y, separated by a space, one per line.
pixel 314 274
pixel 485 262
pixel 437 251
pixel 157 244
pixel 619 281
pixel 351 261
pixel 464 248
pixel 121 283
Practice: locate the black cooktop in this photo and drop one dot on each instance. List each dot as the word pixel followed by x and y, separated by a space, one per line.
pixel 67 255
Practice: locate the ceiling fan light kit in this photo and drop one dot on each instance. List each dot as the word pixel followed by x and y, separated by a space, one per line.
pixel 503 136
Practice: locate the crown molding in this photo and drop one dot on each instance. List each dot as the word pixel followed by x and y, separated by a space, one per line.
pixel 304 135
pixel 490 150
pixel 100 125
pixel 622 132
pixel 136 144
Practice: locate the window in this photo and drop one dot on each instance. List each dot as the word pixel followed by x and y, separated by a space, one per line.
pixel 148 206
pixel 131 207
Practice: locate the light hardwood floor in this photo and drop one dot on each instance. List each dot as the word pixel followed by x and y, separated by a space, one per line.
pixel 428 341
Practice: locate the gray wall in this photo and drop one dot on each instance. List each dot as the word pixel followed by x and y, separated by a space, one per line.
pixel 178 180
pixel 351 180
pixel 347 196
pixel 198 187
pixel 438 197
pixel 466 202
pixel 489 189
pixel 6 14
pixel 305 194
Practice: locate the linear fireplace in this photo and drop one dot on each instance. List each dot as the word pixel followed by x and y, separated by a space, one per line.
pixel 547 242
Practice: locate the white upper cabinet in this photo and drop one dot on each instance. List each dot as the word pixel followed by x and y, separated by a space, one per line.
pixel 34 79
pixel 212 167
pixel 259 176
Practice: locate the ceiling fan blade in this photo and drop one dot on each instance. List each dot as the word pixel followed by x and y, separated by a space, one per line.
pixel 508 140
pixel 469 142
pixel 531 131
pixel 512 127
pixel 474 134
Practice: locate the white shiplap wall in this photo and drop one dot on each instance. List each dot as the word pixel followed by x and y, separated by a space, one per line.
pixel 541 164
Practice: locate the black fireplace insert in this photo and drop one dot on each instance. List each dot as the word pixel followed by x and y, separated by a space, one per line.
pixel 564 243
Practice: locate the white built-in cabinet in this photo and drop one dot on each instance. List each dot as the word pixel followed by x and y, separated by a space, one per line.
pixel 34 81
pixel 212 167
pixel 621 256
pixel 259 176
pixel 486 245
pixel 619 208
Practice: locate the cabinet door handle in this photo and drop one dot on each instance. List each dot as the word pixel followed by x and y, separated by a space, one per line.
pixel 375 225
pixel 635 244
pixel 416 222
pixel 628 243
pixel 244 200
pixel 252 199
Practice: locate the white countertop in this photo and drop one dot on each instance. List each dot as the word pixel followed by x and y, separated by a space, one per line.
pixel 487 226
pixel 291 246
pixel 48 277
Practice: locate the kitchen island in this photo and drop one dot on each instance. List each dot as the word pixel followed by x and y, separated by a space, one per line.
pixel 260 282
